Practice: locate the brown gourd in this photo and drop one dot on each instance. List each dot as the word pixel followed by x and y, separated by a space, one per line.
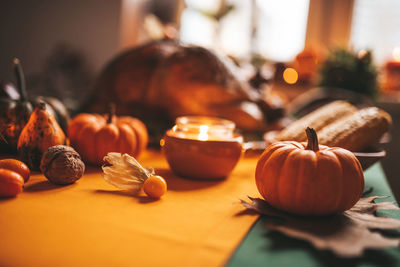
pixel 16 107
pixel 14 113
pixel 41 132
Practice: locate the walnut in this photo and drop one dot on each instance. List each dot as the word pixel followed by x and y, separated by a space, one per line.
pixel 62 165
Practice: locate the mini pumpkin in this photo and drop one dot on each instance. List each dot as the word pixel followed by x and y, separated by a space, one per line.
pixel 309 179
pixel 95 135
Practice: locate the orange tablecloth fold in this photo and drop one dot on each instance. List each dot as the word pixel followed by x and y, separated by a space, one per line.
pixel 91 223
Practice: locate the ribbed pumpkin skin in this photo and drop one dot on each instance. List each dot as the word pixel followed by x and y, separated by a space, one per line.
pixel 93 136
pixel 301 181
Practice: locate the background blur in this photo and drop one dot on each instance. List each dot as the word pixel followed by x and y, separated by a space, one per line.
pixel 63 45
pixel 278 30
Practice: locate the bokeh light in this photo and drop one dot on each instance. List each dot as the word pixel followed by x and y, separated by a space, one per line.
pixel 290 76
pixel 396 53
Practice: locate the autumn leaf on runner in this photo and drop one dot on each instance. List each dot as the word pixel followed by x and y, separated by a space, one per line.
pixel 347 234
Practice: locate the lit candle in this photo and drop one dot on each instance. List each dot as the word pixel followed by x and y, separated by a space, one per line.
pixel 392 72
pixel 203 128
pixel 202 147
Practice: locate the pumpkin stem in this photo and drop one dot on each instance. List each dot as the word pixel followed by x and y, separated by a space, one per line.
pixel 312 143
pixel 111 112
pixel 20 79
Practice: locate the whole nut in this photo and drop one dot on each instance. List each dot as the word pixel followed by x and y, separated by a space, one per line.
pixel 62 165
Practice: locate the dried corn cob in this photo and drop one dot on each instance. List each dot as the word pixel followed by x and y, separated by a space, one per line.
pixel 358 131
pixel 317 119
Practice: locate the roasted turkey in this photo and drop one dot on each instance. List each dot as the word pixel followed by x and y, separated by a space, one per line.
pixel 162 80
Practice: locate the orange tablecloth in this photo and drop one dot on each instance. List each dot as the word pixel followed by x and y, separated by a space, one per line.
pixel 91 223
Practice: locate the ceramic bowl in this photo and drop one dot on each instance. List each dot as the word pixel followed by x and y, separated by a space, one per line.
pixel 370 157
pixel 202 159
pixel 367 158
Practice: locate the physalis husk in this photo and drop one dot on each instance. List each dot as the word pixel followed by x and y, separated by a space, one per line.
pixel 125 172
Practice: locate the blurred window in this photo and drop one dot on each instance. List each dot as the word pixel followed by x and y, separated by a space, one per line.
pixel 280 27
pixel 376 26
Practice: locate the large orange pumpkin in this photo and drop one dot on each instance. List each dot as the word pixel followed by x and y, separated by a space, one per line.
pixel 309 179
pixel 94 135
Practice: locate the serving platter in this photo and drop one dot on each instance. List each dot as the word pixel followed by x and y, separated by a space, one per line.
pixel 367 158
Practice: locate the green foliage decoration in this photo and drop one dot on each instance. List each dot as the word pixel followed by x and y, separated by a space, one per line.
pixel 352 71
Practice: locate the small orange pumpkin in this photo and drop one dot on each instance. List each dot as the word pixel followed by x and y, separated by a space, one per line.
pixel 94 135
pixel 309 179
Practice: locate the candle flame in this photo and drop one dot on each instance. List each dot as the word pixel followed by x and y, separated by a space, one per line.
pixel 396 53
pixel 203 135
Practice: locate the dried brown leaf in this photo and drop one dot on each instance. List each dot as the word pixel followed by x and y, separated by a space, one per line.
pixel 347 234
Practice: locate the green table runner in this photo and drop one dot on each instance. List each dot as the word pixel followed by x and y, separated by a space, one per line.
pixel 262 247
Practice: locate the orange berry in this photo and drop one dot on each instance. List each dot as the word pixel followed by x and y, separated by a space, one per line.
pixel 10 183
pixel 16 166
pixel 155 186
